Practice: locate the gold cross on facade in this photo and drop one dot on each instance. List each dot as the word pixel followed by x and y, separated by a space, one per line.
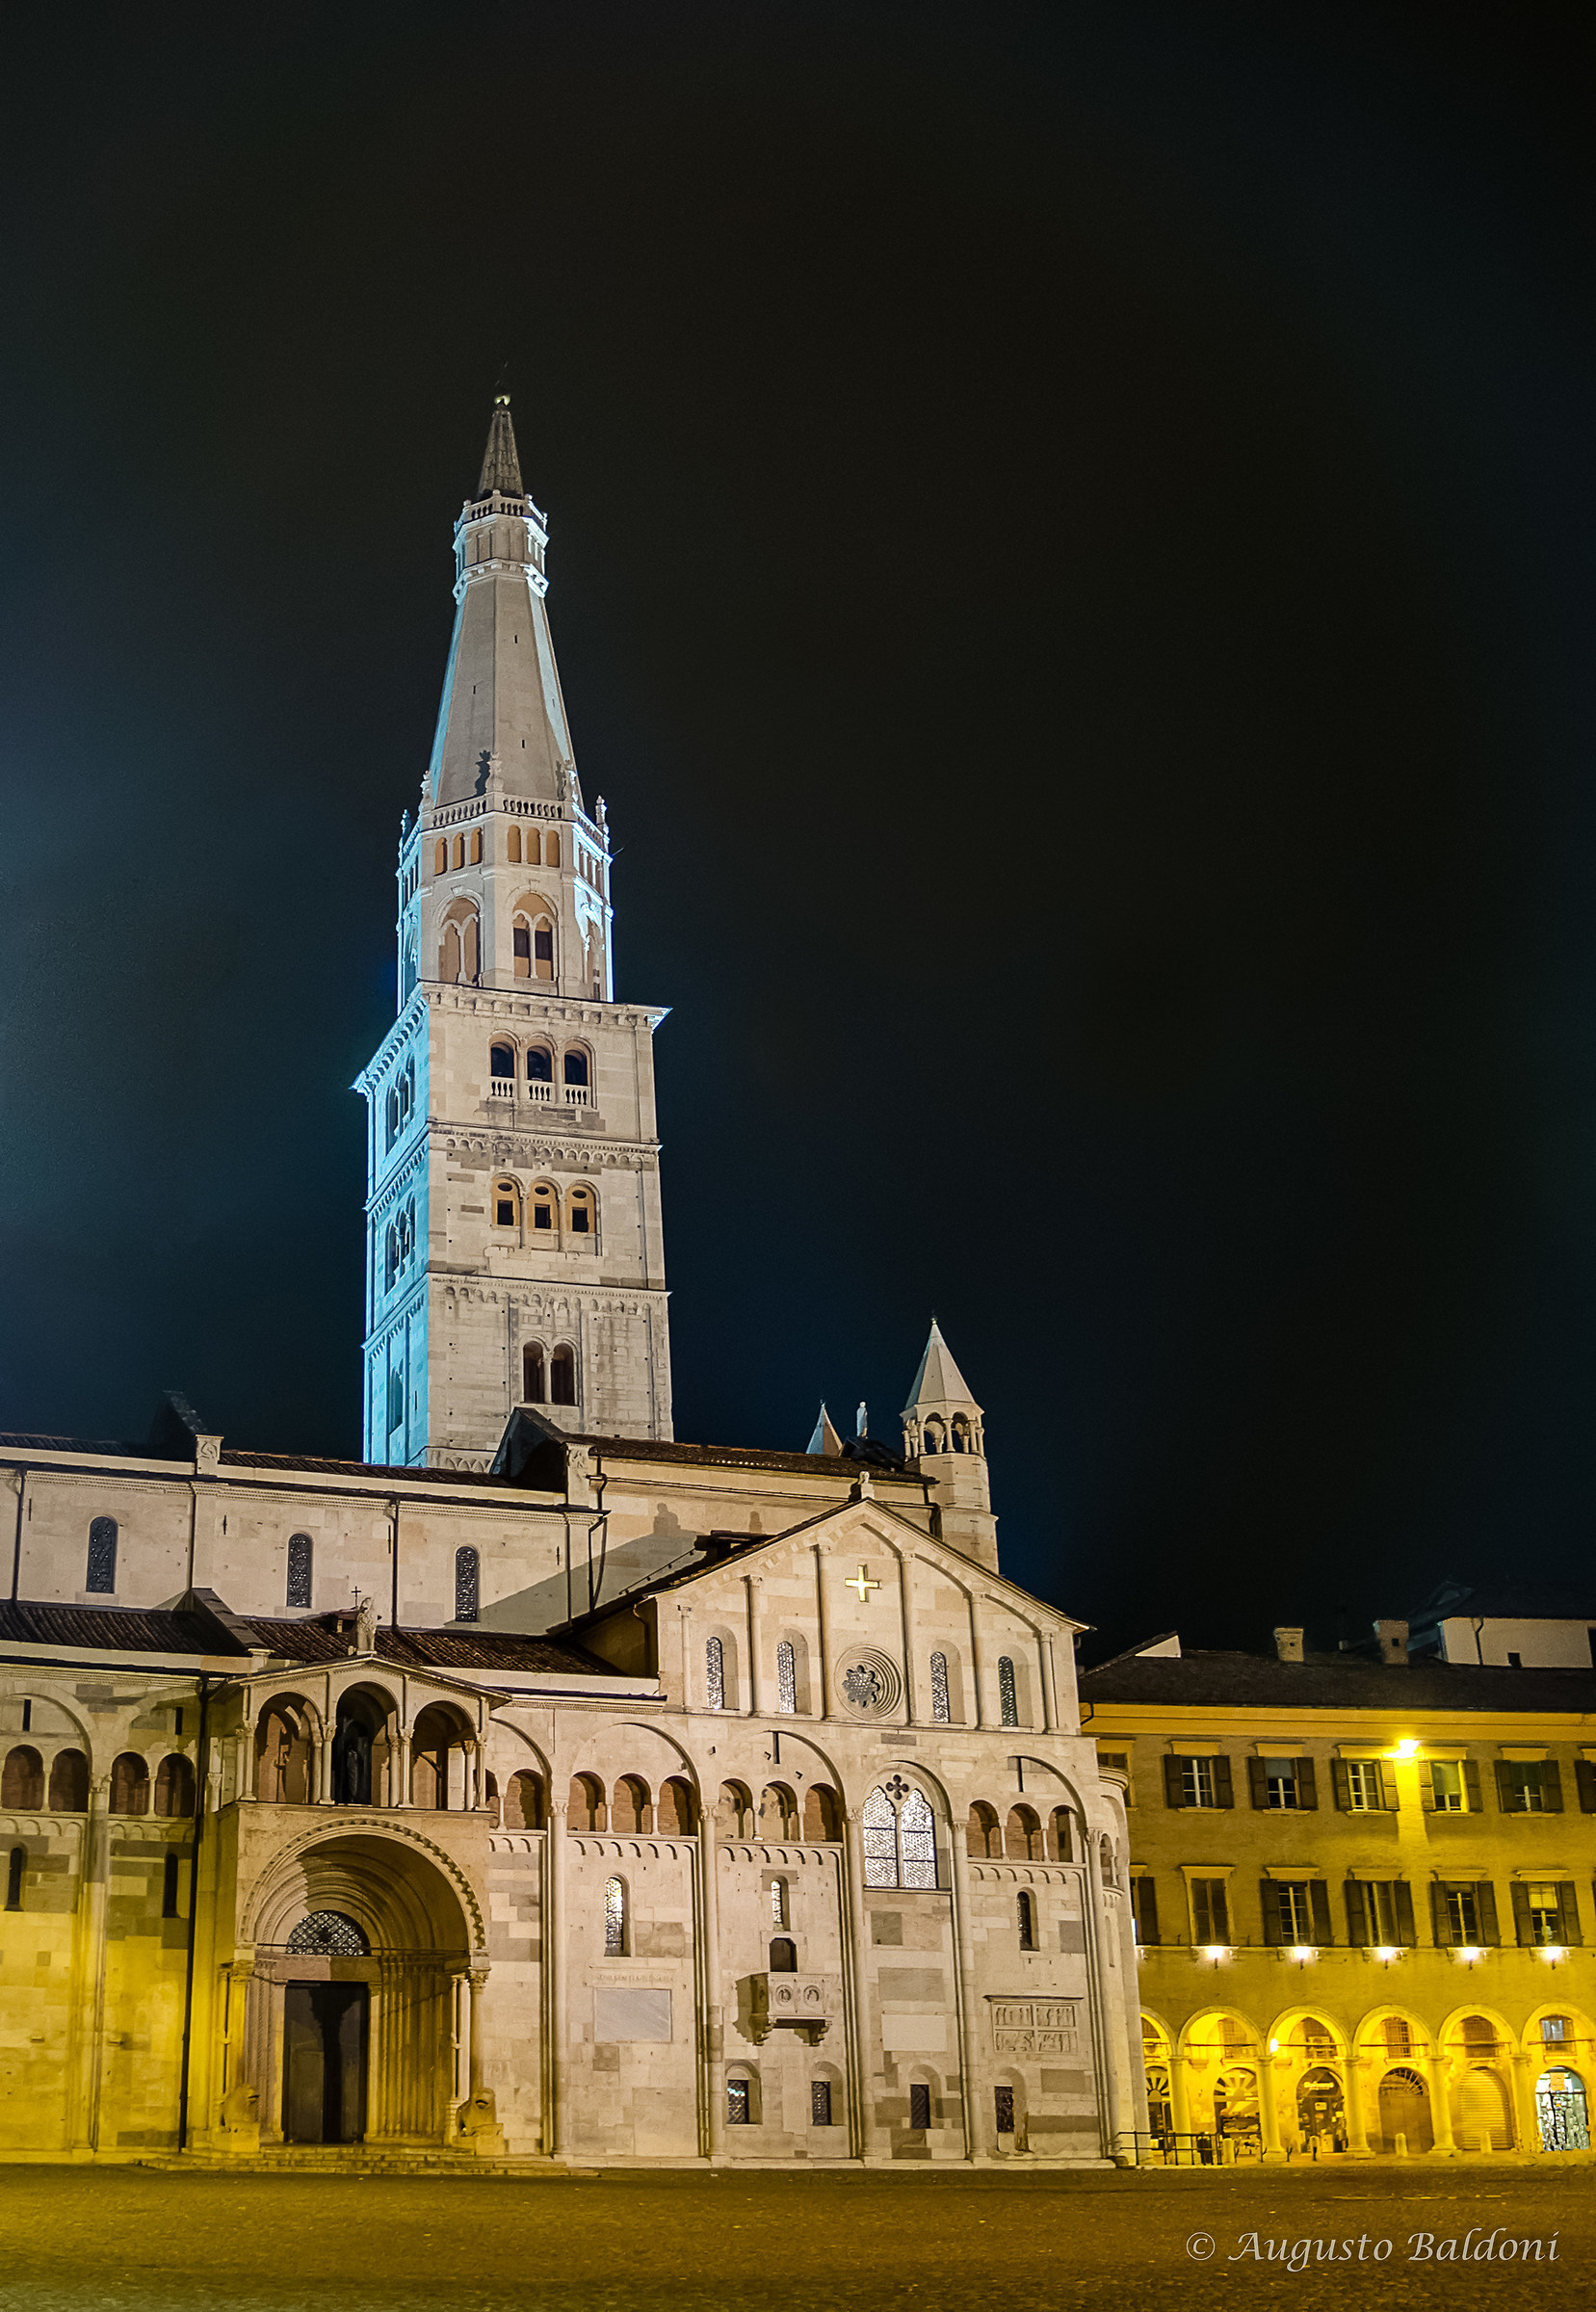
pixel 861 1581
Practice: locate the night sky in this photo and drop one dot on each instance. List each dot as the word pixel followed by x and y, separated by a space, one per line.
pixel 1072 564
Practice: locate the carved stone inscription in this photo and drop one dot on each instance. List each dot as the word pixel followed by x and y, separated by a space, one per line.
pixel 1035 2025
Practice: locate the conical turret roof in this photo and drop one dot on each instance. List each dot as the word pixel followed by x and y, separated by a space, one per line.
pixel 939 1380
pixel 501 466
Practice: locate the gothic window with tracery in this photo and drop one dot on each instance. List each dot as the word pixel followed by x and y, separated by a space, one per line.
pixel 1009 1699
pixel 300 1551
pixel 329 1934
pixel 786 1677
pixel 467 1566
pixel 715 1673
pixel 102 1555
pixel 615 1919
pixel 939 1689
pixel 900 1836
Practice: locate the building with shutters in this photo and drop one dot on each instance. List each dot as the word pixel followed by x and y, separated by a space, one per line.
pixel 540 1787
pixel 1363 1886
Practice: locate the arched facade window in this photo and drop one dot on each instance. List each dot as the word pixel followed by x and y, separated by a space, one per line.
pixel 778 1903
pixel 899 1837
pixel 534 1374
pixel 543 948
pixel 1009 1699
pixel 822 1812
pixel 524 1802
pixel 100 1576
pixel 586 1810
pixel 575 1067
pixel 935 1439
pixel 544 1204
pixel 513 845
pixel 467 1578
pixel 982 1836
pixel 581 1213
pixel 329 1934
pixel 673 1814
pixel 540 1063
pixel 630 1806
pixel 129 1784
pixel 475 847
pixel 615 1919
pixel 563 1377
pixel 175 1786
pixel 22 1779
pixel 715 1673
pixel 783 1955
pixel 69 1783
pixel 507 1204
pixel 786 1677
pixel 778 1814
pixel 1061 1844
pixel 960 1433
pixel 301 1558
pixel 391 1259
pixel 460 851
pixel 501 1061
pixel 440 856
pixel 734 1811
pixel 15 1868
pixel 284 1757
pixel 551 848
pixel 939 1689
pixel 1028 1920
pixel 1023 1838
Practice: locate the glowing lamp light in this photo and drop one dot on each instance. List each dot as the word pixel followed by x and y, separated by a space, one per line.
pixel 1468 1953
pixel 1385 1953
pixel 1407 1748
pixel 1301 1953
pixel 1552 1952
pixel 1274 2046
pixel 1214 1953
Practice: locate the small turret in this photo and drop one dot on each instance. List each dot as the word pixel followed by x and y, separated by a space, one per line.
pixel 945 1440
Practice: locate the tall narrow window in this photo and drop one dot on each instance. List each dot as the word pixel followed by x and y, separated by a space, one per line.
pixel 169 1888
pixel 899 1837
pixel 542 949
pixel 440 856
pixel 300 1552
pixel 563 1377
pixel 736 2090
pixel 466 1576
pixel 786 1678
pixel 475 847
pixel 820 2103
pixel 13 1877
pixel 715 1673
pixel 1003 2101
pixel 521 949
pixel 102 1575
pixel 939 1689
pixel 535 847
pixel 507 1204
pixel 615 1919
pixel 460 851
pixel 917 1842
pixel 501 1061
pixel 1008 1700
pixel 513 846
pixel 778 1903
pixel 551 848
pixel 543 1208
pixel 576 1067
pixel 533 1384
pixel 540 1065
pixel 579 1210
pixel 449 954
pixel 1028 1921
pixel 920 2105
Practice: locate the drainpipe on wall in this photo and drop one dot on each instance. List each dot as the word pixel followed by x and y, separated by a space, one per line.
pixel 16 1548
pixel 201 1765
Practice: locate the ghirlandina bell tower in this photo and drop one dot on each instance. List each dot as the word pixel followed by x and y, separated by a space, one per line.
pixel 515 1248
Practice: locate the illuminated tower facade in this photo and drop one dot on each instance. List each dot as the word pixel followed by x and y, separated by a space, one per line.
pixel 514 1246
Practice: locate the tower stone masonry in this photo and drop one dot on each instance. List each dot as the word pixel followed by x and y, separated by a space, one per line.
pixel 515 1245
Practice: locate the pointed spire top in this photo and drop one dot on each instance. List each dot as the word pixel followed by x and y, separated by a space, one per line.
pixel 500 466
pixel 825 1439
pixel 939 1380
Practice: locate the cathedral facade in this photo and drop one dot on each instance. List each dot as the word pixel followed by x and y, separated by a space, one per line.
pixel 540 1787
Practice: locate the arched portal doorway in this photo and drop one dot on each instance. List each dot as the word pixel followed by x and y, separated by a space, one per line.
pixel 1404 2111
pixel 1321 2115
pixel 361 2000
pixel 1561 2109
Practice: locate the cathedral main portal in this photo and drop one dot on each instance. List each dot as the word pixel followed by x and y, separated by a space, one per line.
pixel 325 2031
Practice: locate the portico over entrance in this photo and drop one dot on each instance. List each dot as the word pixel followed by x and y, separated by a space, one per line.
pixel 361 1999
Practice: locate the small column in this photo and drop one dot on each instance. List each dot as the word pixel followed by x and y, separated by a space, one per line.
pixel 714 2029
pixel 863 2131
pixel 1524 2106
pixel 553 1961
pixel 1440 2103
pixel 969 2006
pixel 1180 2104
pixel 323 1755
pixel 1357 2132
pixel 1268 2111
pixel 399 1767
pixel 476 1982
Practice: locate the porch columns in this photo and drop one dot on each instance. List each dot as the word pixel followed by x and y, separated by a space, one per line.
pixel 554 1962
pixel 1357 2132
pixel 862 2131
pixel 714 2041
pixel 1268 2110
pixel 1524 2106
pixel 1440 2102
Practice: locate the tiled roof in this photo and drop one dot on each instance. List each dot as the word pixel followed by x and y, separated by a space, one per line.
pixel 27 1440
pixel 319 1640
pixel 1333 1682
pixel 109 1628
pixel 751 1457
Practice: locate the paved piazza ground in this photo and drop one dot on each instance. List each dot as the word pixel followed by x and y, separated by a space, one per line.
pixel 130 2239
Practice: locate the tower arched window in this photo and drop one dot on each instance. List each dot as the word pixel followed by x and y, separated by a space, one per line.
pixel 563 1377
pixel 501 1061
pixel 467 1578
pixel 542 949
pixel 460 851
pixel 535 847
pixel 507 1204
pixel 390 1258
pixel 301 1552
pixel 513 846
pixel 937 1439
pixel 551 848
pixel 475 847
pixel 129 1784
pixel 900 1836
pixel 23 1782
pixel 615 1919
pixel 100 1575
pixel 393 1118
pixel 786 1677
pixel 961 1433
pixel 939 1689
pixel 579 1212
pixel 1008 1700
pixel 545 1207
pixel 440 857
pixel 715 1673
pixel 576 1067
pixel 534 1380
pixel 540 1063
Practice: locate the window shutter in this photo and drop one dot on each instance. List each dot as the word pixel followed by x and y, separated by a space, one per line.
pixel 1486 1894
pixel 1584 1783
pixel 1401 1898
pixel 1427 1788
pixel 1568 1912
pixel 1173 1793
pixel 1471 1786
pixel 1147 1910
pixel 1390 1798
pixel 1222 1792
pixel 1272 1913
pixel 1258 1782
pixel 1357 1916
pixel 1521 1911
pixel 1505 1791
pixel 1220 1891
pixel 1340 1784
pixel 1551 1786
pixel 1440 1924
pixel 1307 1787
pixel 1318 1905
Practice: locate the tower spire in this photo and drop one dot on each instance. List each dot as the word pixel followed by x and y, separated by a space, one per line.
pixel 501 466
pixel 944 1437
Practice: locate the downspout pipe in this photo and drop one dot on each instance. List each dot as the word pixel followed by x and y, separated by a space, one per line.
pixel 200 1766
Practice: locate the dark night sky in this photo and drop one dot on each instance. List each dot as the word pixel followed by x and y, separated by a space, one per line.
pixel 1072 563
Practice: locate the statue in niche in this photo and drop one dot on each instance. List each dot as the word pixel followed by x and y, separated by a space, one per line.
pixel 365 1626
pixel 351 1763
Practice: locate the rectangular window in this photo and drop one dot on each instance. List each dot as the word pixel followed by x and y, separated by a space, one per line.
pixel 1544 1913
pixel 1210 1912
pixel 1523 1786
pixel 1447 1781
pixel 1280 1784
pixel 1197 1782
pixel 1293 1911
pixel 820 2103
pixel 1003 2099
pixel 1398 2038
pixel 1364 1794
pixel 1382 1897
pixel 920 2107
pixel 737 2103
pixel 1554 2030
pixel 1463 1914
